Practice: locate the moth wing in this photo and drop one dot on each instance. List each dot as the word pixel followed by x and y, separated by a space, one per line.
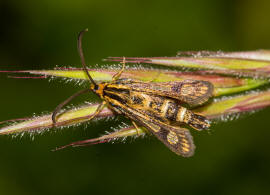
pixel 178 140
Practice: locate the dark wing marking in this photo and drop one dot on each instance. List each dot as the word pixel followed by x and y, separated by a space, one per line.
pixel 192 92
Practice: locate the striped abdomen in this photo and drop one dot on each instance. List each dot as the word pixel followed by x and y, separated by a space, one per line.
pixel 166 108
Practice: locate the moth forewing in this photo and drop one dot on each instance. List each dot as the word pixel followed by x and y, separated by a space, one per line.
pixel 177 139
pixel 192 92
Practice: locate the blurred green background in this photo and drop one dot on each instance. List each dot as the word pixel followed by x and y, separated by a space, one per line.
pixel 233 158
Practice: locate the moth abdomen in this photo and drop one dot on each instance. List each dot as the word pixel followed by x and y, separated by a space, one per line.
pixel 194 120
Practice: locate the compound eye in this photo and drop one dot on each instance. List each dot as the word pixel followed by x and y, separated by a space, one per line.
pixel 96 87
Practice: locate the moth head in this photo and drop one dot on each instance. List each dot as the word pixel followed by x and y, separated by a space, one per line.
pixel 98 88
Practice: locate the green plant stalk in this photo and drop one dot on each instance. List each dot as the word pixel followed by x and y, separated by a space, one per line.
pixel 252 64
pixel 213 110
pixel 69 117
pixel 252 55
pixel 223 85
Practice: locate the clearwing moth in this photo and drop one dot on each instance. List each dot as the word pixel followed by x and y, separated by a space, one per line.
pixel 156 106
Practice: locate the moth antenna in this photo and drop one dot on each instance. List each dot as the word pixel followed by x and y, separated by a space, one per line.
pixel 80 50
pixel 60 106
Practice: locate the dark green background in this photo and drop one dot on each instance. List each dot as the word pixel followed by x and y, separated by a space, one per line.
pixel 234 158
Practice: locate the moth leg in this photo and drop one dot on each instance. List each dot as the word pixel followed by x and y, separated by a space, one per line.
pixel 98 110
pixel 136 127
pixel 117 75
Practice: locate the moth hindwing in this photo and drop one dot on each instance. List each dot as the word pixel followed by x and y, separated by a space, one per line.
pixel 155 106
